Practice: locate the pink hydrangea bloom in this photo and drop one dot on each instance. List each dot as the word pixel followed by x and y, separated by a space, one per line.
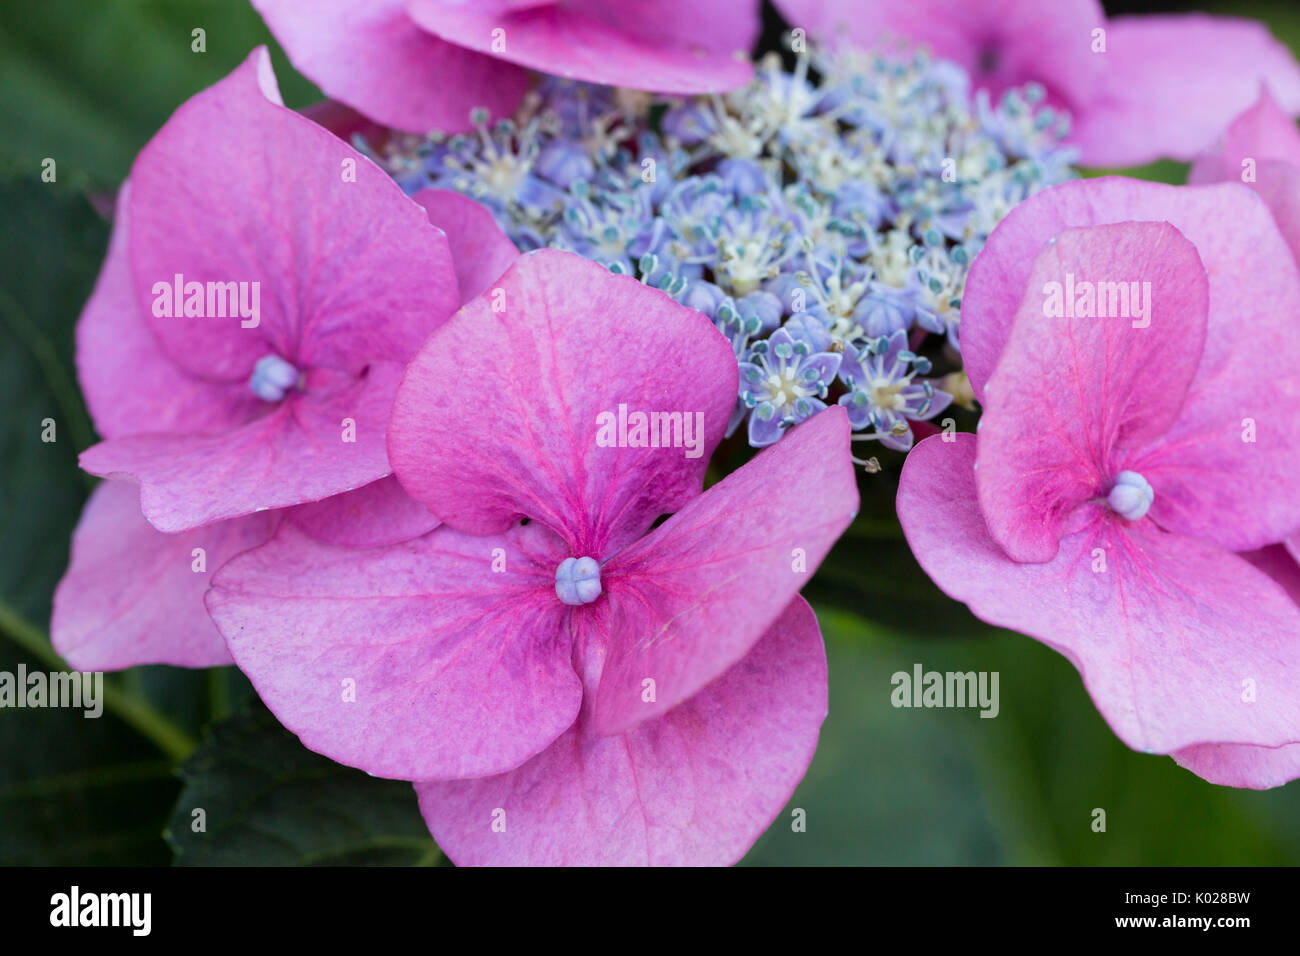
pixel 133 594
pixel 579 686
pixel 1122 460
pixel 1261 148
pixel 1264 132
pixel 1164 85
pixel 339 278
pixel 421 65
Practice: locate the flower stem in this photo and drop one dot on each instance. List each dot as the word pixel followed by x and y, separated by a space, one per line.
pixel 133 710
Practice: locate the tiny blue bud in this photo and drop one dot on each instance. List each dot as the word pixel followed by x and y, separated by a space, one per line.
pixel 577 581
pixel 564 163
pixel 1131 496
pixel 272 377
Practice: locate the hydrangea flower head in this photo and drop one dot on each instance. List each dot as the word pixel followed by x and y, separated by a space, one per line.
pixel 274 313
pixel 811 214
pixel 551 652
pixel 1261 148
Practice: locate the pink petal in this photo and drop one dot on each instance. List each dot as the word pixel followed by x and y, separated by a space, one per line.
pixel 1278 184
pixel 130 386
pixel 1233 765
pixel 1157 65
pixel 131 595
pixel 480 251
pixel 457 670
pixel 497 415
pixel 695 787
pixel 1159 637
pixel 297 452
pixel 236 188
pixel 1073 398
pixel 373 516
pixel 1000 43
pixel 373 57
pixel 1000 273
pixel 1264 131
pixel 1210 479
pixel 657 45
pixel 693 597
pixel 1267 137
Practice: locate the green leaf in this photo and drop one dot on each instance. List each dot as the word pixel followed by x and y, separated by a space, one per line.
pixel 87 82
pixel 268 801
pixel 1161 171
pixel 906 786
pixel 49 257
pixel 72 789
pixel 50 254
pixel 1050 760
pixel 887 786
pixel 77 790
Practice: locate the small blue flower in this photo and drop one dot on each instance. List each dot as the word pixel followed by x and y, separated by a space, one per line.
pixel 935 286
pixel 703 296
pixel 783 383
pixel 496 166
pixel 763 306
pixel 883 311
pixel 738 329
pixel 884 394
pixel 564 163
pixel 690 122
pixel 606 226
pixel 742 177
pixel 693 213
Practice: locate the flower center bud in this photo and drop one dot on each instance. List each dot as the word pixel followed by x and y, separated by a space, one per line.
pixel 1131 496
pixel 272 378
pixel 577 580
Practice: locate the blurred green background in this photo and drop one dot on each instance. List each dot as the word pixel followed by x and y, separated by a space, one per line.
pixel 87 82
